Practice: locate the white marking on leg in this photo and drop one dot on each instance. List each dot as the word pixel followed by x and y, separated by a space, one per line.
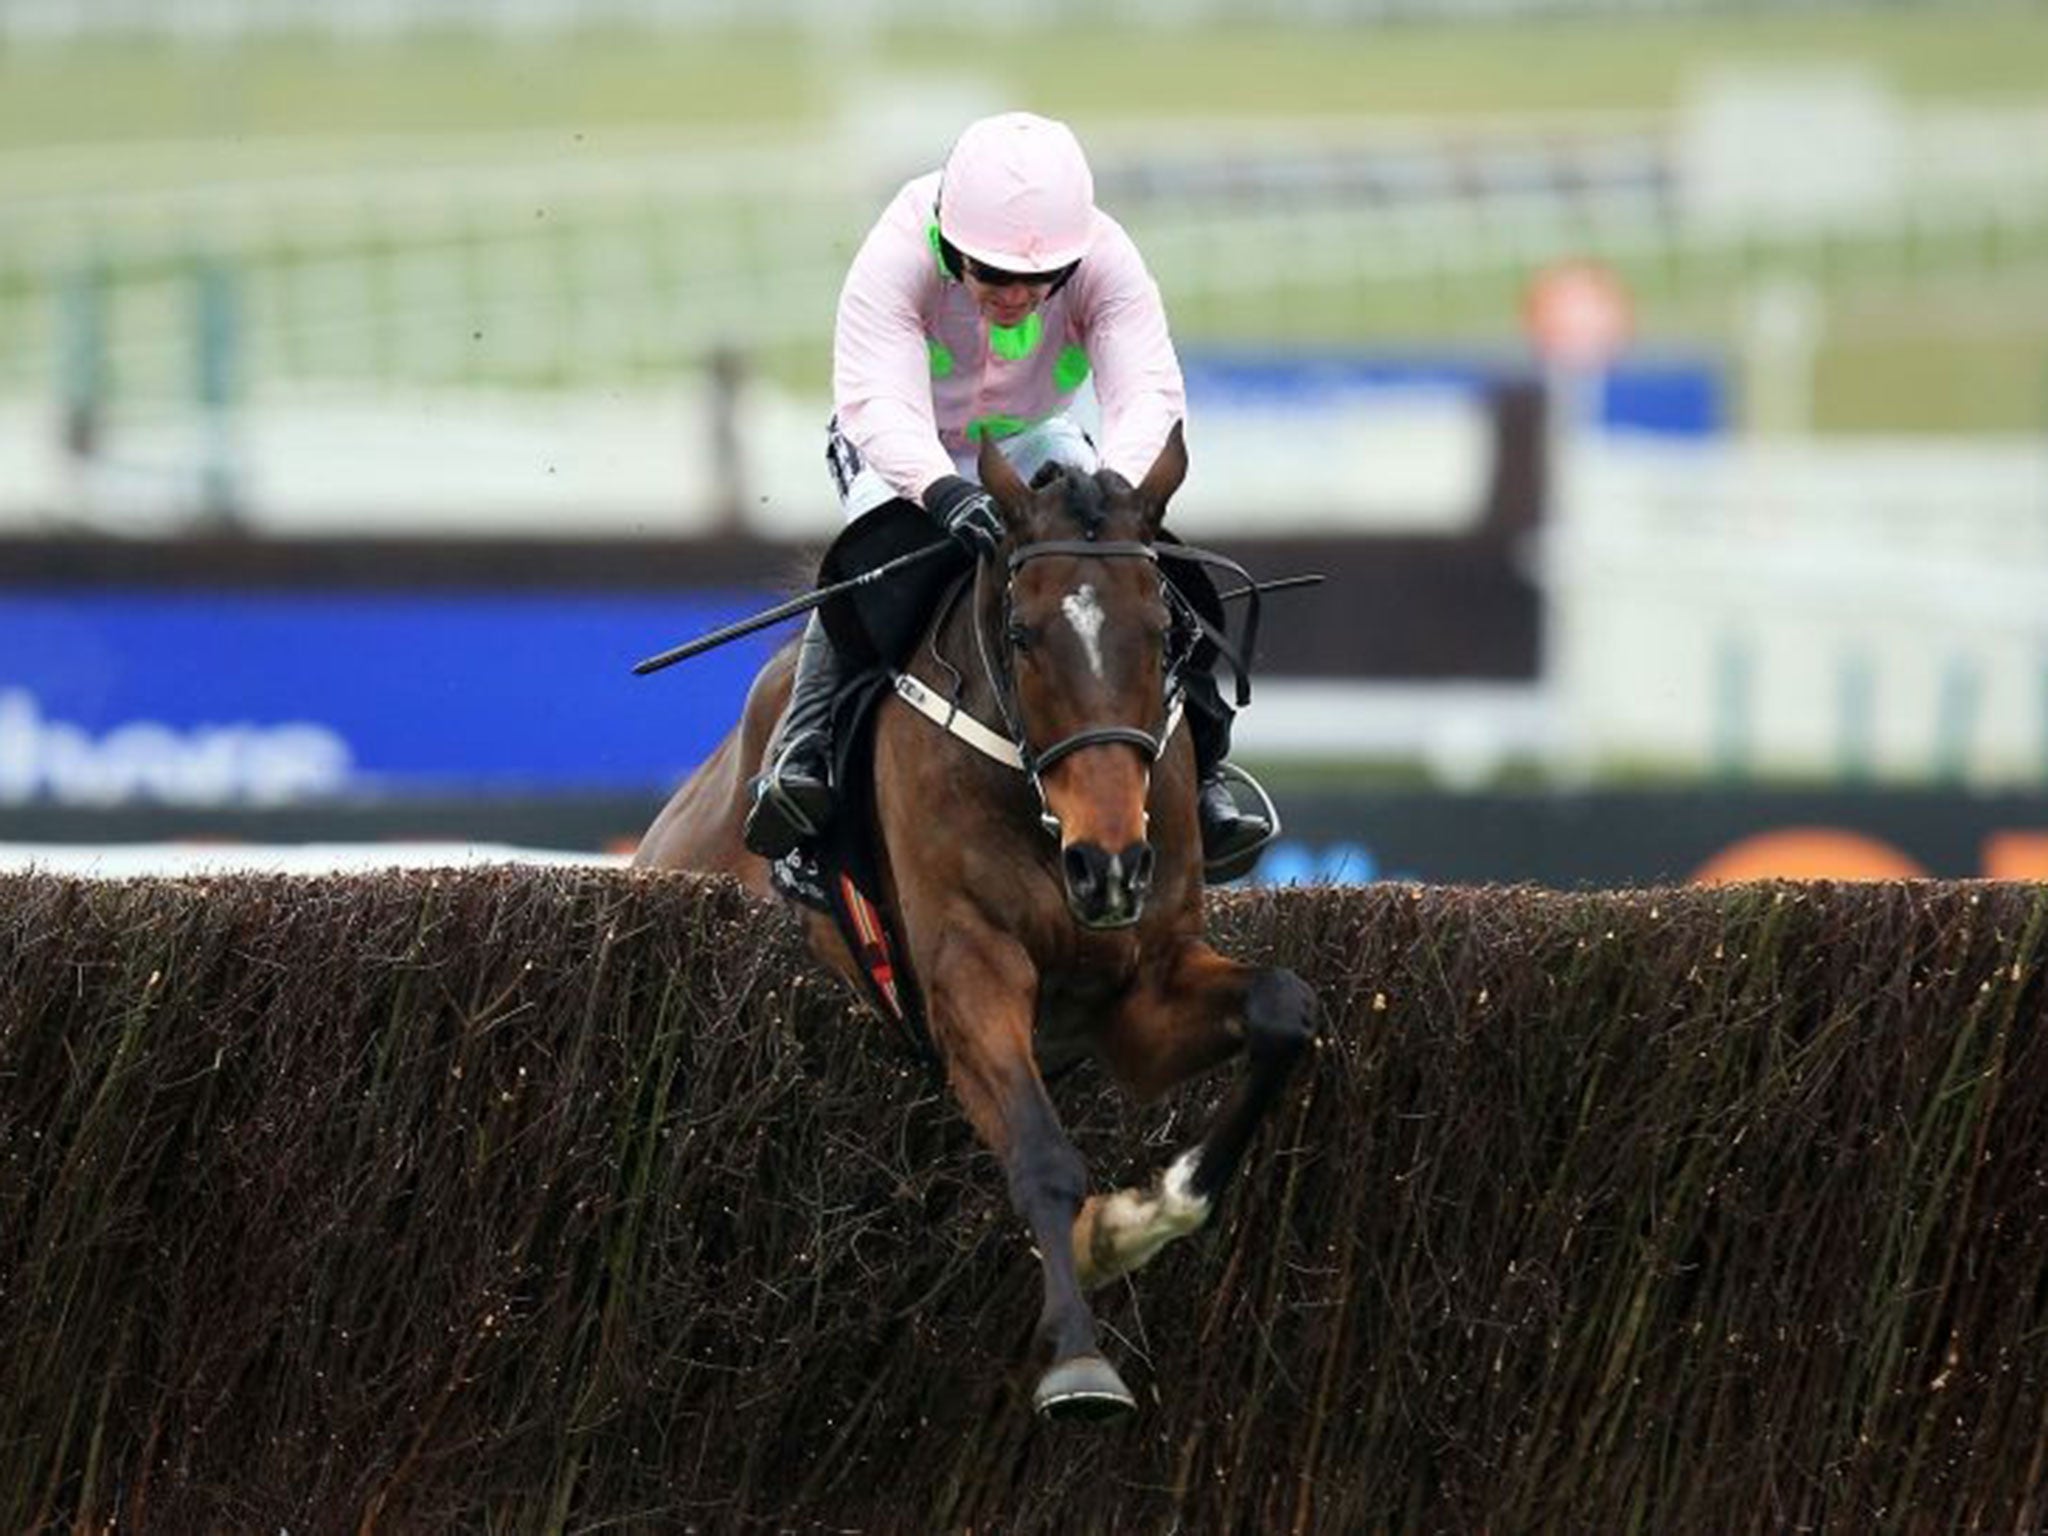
pixel 1132 1226
pixel 1084 612
pixel 1177 1192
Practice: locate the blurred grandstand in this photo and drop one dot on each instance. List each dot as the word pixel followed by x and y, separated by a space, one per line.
pixel 372 284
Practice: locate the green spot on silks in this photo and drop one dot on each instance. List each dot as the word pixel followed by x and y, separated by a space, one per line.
pixel 1014 343
pixel 995 426
pixel 931 231
pixel 1070 370
pixel 942 358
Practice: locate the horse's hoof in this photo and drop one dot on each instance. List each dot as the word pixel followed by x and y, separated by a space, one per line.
pixel 1085 1389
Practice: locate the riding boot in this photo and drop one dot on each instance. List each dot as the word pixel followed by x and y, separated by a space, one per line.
pixel 1232 838
pixel 793 798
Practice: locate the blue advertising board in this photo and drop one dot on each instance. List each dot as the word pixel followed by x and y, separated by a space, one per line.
pixel 1669 395
pixel 111 696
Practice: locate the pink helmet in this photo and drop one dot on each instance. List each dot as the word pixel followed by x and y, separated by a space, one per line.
pixel 1017 194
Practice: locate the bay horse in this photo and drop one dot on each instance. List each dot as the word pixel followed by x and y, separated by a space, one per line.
pixel 1034 950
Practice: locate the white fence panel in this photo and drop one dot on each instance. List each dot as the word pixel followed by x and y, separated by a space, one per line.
pixel 1806 610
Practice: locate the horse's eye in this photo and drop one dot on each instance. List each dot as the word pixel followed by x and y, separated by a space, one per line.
pixel 1021 637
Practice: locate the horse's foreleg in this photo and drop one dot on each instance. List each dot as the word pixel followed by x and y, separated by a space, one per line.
pixel 1206 1009
pixel 983 992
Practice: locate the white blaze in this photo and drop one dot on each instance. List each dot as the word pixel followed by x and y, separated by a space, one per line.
pixel 1085 614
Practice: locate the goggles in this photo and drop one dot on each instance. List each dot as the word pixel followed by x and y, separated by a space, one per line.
pixel 996 277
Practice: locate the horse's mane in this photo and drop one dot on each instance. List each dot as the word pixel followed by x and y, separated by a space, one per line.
pixel 1086 502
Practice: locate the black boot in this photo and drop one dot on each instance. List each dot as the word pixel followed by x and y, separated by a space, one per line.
pixel 793 798
pixel 1232 839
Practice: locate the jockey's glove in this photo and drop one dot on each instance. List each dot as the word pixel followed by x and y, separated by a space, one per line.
pixel 967 512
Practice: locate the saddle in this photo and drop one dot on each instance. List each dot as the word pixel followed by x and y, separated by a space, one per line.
pixel 875 628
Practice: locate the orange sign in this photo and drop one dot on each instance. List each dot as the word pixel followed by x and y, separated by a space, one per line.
pixel 1831 853
pixel 1578 313
pixel 1807 853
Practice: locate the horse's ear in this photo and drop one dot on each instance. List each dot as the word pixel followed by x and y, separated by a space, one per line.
pixel 1164 477
pixel 1000 479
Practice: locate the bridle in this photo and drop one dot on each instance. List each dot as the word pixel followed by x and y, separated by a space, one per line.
pixel 1003 676
pixel 1189 629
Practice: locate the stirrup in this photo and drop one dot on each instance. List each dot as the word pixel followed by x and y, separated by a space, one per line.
pixel 782 819
pixel 1230 866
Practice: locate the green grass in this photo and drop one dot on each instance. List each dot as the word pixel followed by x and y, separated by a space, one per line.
pixel 1873 382
pixel 135 94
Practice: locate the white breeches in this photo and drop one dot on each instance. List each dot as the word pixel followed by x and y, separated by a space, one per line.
pixel 1057 439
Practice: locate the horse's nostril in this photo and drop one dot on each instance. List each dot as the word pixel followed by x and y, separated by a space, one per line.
pixel 1084 873
pixel 1138 860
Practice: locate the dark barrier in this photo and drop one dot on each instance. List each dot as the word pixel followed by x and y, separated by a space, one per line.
pixel 1647 837
pixel 1563 840
pixel 545 1201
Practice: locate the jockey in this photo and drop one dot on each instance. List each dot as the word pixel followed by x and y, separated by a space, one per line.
pixel 984 296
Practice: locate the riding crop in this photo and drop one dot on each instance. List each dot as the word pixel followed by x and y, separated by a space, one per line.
pixel 809 600
pixel 781 611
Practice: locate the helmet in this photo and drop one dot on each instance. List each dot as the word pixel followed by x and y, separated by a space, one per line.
pixel 1017 194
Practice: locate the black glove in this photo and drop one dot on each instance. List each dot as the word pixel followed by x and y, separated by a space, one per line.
pixel 967 512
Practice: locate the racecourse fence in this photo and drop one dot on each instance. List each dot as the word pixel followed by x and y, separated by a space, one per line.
pixel 551 1200
pixel 506 261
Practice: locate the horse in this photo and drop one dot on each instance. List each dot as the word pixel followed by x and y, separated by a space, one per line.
pixel 1050 905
